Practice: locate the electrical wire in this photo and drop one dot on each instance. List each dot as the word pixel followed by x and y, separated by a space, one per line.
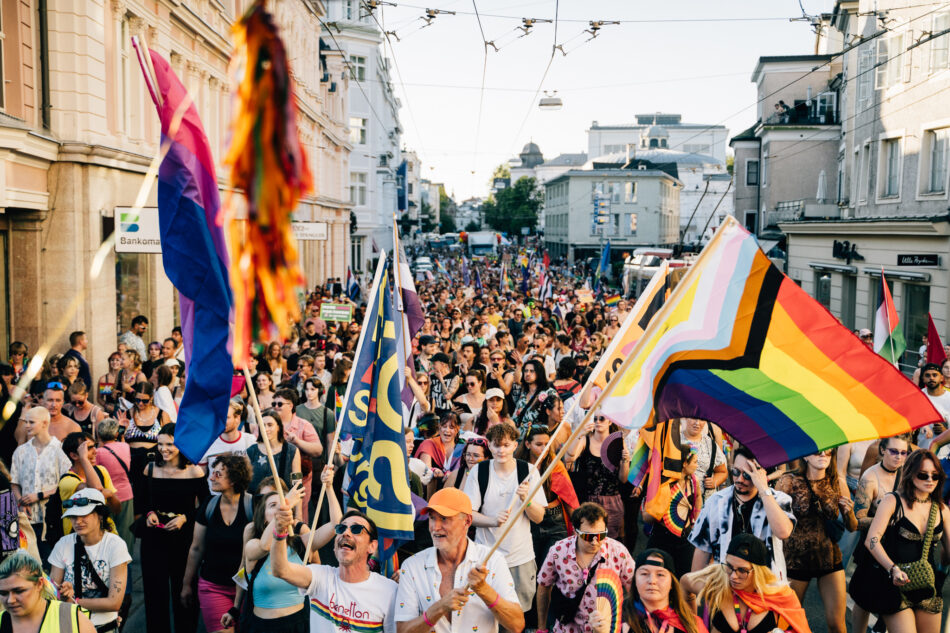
pixel 632 21
pixel 481 94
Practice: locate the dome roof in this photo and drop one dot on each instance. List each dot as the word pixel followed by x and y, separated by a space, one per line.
pixel 531 156
pixel 657 131
pixel 531 148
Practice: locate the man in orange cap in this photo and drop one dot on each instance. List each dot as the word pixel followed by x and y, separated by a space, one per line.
pixel 437 584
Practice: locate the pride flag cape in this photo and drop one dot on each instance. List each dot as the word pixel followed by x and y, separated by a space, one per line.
pixel 195 259
pixel 740 344
pixel 888 334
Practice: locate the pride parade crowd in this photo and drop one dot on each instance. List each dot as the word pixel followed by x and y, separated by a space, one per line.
pixel 90 466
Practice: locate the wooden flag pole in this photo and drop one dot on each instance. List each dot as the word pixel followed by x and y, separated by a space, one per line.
pixel 509 524
pixel 260 429
pixel 323 493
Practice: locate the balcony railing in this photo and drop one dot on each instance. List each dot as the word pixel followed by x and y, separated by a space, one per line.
pixel 821 110
pixel 804 209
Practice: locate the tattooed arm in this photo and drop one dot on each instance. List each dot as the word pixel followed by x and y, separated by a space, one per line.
pixel 881 520
pixel 863 501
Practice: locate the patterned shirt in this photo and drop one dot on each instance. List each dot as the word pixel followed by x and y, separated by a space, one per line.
pixel 560 567
pixel 420 579
pixel 34 471
pixel 714 528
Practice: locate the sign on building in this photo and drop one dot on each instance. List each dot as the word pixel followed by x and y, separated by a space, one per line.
pixel 336 312
pixel 137 231
pixel 309 231
pixel 919 259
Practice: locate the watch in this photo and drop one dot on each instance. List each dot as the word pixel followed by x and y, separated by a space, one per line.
pixel 40 495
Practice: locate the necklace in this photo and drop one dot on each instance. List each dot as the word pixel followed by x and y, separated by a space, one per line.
pixel 890 472
pixel 743 622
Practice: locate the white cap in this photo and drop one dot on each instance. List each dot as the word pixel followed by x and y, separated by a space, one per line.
pixel 95 498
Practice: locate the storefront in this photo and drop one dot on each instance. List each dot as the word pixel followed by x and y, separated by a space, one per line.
pixel 839 263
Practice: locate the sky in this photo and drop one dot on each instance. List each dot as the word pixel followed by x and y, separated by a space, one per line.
pixel 693 57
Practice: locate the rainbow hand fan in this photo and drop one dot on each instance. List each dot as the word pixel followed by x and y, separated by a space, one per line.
pixel 609 596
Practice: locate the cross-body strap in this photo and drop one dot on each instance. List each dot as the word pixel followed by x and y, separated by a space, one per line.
pixel 121 463
pixel 80 561
pixel 929 535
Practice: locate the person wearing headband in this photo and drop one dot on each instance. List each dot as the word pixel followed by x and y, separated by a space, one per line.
pixel 656 601
pixel 743 595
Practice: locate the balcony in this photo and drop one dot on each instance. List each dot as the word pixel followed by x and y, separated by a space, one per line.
pixel 804 209
pixel 820 110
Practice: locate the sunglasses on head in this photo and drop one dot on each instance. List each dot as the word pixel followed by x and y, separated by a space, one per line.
pixel 81 502
pixel 927 476
pixel 355 528
pixel 736 473
pixel 590 537
pixel 56 385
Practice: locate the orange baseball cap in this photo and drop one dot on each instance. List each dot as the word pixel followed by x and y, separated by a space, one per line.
pixel 448 502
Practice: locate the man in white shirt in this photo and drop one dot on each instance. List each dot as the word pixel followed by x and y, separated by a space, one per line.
pixel 346 598
pixel 495 505
pixel 232 441
pixel 932 377
pixel 452 565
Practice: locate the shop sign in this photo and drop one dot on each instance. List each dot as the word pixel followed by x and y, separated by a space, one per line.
pixel 919 259
pixel 137 231
pixel 309 231
pixel 336 312
pixel 846 250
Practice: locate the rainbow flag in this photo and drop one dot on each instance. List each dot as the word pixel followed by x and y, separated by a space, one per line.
pixel 612 300
pixel 888 334
pixel 740 344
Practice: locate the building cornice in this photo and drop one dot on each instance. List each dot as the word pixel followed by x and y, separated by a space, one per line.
pixel 883 227
pixel 103 156
pixel 28 143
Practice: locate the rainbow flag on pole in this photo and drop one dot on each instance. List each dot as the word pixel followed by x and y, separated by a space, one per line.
pixel 888 334
pixel 740 344
pixel 612 300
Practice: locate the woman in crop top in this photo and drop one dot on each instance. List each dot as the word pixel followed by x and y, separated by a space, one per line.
pixel 742 595
pixel 141 434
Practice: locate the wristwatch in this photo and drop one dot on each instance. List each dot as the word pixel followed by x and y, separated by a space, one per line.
pixel 40 495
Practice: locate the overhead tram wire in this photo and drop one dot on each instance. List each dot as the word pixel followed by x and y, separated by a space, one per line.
pixel 845 50
pixel 632 21
pixel 481 94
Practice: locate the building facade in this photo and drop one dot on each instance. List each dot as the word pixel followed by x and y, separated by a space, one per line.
pixel 862 184
pixel 692 138
pixel 78 130
pixel 374 130
pixel 642 209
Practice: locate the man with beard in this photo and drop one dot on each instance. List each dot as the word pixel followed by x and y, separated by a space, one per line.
pixel 451 566
pixel 346 598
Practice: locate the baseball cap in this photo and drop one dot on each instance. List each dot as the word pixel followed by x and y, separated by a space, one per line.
pixel 864 332
pixel 495 392
pixel 83 502
pixel 426 339
pixel 750 549
pixel 645 558
pixel 448 502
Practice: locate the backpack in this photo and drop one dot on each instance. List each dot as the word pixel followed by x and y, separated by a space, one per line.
pixel 484 473
pixel 248 503
pixel 54 508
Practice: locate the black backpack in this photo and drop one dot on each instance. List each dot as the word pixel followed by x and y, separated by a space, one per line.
pixel 484 473
pixel 213 502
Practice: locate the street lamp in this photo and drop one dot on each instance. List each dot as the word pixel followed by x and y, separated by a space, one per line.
pixel 550 101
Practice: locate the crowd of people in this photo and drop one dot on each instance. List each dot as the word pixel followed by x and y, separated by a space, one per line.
pixel 90 477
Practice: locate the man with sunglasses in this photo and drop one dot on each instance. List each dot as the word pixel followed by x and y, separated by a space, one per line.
pixel 346 598
pixel 452 566
pixel 748 506
pixel 567 594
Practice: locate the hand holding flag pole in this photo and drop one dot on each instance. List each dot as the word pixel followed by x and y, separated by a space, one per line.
pixel 323 494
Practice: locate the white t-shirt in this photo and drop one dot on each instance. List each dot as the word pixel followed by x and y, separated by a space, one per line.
pixel 941 402
pixel 110 552
pixel 517 548
pixel 221 446
pixel 344 607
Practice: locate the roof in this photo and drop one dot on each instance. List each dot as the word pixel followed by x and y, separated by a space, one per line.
pixel 567 159
pixel 777 59
pixel 745 135
pixel 637 126
pixel 872 219
pixel 598 173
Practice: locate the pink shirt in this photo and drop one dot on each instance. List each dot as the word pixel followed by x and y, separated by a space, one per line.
pixel 560 566
pixel 303 430
pixel 120 478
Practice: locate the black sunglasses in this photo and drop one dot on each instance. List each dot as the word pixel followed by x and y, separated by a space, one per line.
pixel 81 502
pixel 355 528
pixel 927 476
pixel 736 473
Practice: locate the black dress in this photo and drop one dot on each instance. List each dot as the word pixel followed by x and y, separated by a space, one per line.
pixel 165 554
pixel 871 585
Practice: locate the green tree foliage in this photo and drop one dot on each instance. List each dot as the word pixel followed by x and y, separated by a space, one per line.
pixel 515 207
pixel 473 226
pixel 447 224
pixel 426 222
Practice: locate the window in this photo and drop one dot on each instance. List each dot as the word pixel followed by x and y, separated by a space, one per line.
pixel 357 67
pixel 356 253
pixel 2 82
pixel 616 189
pixel 123 78
pixel 916 308
pixel 939 46
pixel 890 176
pixel 937 155
pixel 849 294
pixel 630 192
pixel 358 130
pixel 865 181
pixel 751 173
pixel 351 9
pixel 823 288
pixel 865 76
pixel 890 58
pixel 764 173
pixel 358 188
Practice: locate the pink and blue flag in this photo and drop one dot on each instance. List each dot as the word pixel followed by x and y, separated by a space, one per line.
pixel 195 258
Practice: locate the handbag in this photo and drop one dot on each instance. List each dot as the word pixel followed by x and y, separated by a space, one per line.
pixel 564 608
pixel 920 573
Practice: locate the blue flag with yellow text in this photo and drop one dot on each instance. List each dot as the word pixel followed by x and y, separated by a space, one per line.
pixel 378 471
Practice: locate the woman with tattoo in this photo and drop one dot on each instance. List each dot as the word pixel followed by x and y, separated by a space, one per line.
pixel 896 538
pixel 874 484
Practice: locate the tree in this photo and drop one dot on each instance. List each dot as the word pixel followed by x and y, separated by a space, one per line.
pixel 514 208
pixel 473 226
pixel 426 224
pixel 447 224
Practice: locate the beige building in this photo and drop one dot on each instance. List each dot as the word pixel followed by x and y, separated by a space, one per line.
pixel 78 129
pixel 865 186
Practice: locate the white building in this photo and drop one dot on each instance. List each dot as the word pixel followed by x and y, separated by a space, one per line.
pixel 374 131
pixel 692 138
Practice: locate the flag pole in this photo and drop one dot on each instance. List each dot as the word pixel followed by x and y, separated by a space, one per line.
pixel 322 496
pixel 887 315
pixel 260 430
pixel 608 389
